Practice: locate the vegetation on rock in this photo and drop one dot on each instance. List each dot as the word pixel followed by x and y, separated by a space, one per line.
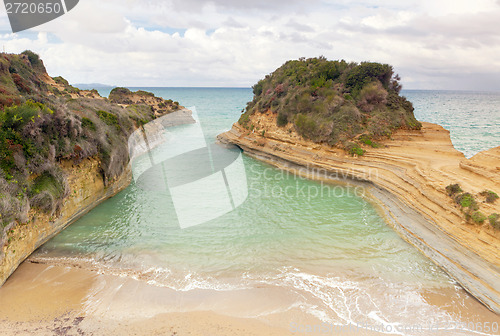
pixel 490 196
pixel 494 220
pixel 453 189
pixel 334 102
pixel 470 207
pixel 44 121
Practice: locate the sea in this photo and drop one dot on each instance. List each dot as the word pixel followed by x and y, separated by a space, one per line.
pixel 281 248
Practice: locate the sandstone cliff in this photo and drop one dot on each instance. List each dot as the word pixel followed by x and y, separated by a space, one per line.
pixel 408 175
pixel 86 190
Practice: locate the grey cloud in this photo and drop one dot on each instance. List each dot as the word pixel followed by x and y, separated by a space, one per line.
pixel 299 26
pixel 274 5
pixel 468 30
pixel 476 26
pixel 298 38
pixel 230 22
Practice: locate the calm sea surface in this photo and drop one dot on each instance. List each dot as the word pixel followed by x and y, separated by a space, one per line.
pixel 329 254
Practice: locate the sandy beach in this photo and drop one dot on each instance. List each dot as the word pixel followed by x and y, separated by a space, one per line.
pixel 45 299
pixel 54 300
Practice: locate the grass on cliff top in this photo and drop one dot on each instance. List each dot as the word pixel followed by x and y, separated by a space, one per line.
pixel 334 102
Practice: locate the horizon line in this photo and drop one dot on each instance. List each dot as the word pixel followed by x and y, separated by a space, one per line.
pixel 102 86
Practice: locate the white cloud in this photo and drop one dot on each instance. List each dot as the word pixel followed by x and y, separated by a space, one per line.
pixel 433 44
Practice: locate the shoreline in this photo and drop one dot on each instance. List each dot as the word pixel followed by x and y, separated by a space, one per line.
pixel 76 301
pixel 396 180
pixel 49 299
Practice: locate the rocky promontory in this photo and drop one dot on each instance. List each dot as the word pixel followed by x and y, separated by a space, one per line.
pixel 439 201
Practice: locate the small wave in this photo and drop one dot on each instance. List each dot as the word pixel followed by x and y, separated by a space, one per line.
pixel 347 299
pixel 361 301
pixel 155 276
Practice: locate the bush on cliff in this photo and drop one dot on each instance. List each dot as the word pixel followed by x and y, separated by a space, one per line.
pixel 333 101
pixel 453 189
pixel 494 220
pixel 466 200
pixel 478 217
pixel 490 196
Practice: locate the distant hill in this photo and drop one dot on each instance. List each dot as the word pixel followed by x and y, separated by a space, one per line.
pixel 84 86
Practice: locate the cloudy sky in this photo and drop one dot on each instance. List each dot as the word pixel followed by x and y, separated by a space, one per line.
pixel 432 44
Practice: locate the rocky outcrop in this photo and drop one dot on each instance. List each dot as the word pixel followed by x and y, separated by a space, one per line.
pixel 407 176
pixel 87 189
pixel 159 106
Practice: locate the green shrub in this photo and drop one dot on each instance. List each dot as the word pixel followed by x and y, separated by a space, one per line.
pixel 33 58
pixel 354 149
pixel 494 220
pixel 491 196
pixel 48 190
pixel 108 118
pixel 61 81
pixel 306 126
pixel 16 117
pixel 466 200
pixel 15 122
pixel 244 119
pixel 368 72
pixel 145 93
pixel 371 96
pixel 120 95
pixel 478 217
pixel 257 88
pixel 47 182
pixel 453 189
pixel 368 141
pixel 87 123
pixel 120 91
pixel 282 119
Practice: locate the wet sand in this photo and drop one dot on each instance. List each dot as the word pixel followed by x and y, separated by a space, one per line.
pixel 52 300
pixel 44 299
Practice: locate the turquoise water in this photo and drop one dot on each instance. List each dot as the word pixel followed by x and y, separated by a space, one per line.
pixel 473 118
pixel 330 252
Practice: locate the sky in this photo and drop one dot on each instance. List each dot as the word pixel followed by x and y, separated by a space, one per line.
pixel 432 44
